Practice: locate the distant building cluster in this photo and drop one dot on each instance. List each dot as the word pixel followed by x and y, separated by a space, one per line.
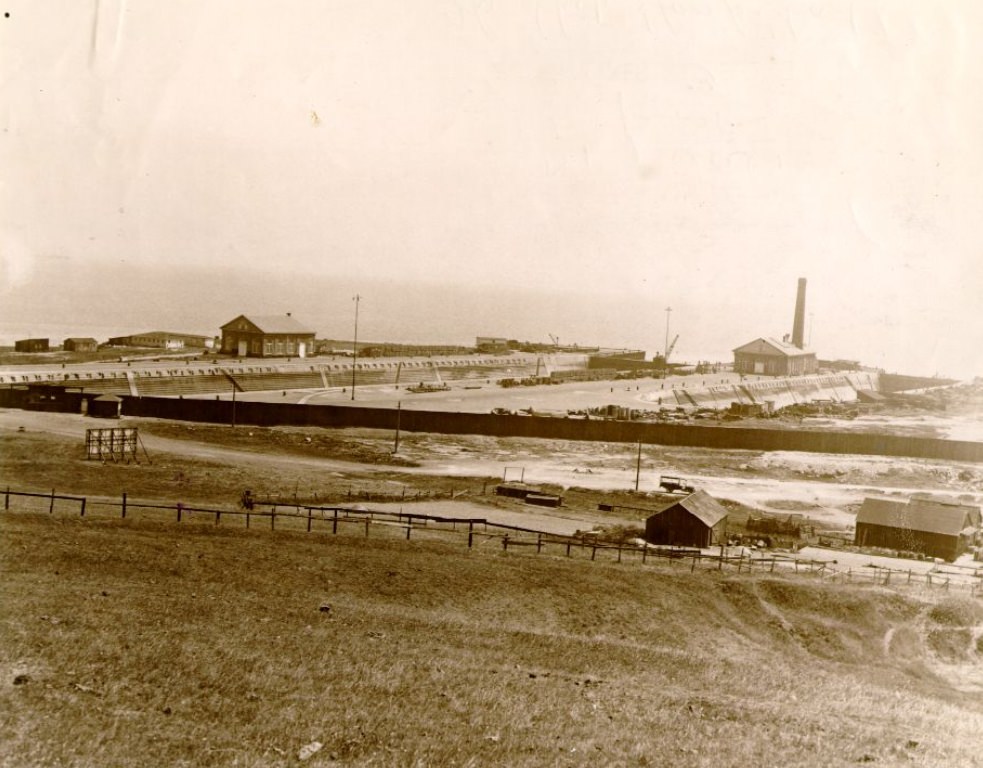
pixel 271 336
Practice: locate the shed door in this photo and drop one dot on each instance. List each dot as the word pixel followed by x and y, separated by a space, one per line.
pixel 759 367
pixel 243 348
pixel 301 349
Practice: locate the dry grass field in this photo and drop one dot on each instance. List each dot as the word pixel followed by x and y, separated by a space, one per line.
pixel 134 643
pixel 143 642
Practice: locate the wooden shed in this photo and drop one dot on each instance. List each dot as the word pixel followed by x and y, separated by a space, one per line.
pixel 933 527
pixel 106 407
pixel 697 520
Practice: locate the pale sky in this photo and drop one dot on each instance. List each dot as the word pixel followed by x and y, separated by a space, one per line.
pixel 554 167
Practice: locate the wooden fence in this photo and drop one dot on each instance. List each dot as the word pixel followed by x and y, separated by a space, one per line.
pixel 478 533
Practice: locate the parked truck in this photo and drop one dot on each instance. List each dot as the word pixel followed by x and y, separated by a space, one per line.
pixel 675 484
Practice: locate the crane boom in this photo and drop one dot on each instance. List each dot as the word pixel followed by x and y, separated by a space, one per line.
pixel 671 347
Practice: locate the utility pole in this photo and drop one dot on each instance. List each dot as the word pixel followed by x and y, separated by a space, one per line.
pixel 638 465
pixel 399 408
pixel 356 299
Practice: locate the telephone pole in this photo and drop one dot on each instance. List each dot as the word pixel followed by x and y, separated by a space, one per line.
pixel 356 299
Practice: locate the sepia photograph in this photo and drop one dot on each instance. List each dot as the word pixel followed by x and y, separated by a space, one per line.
pixel 491 383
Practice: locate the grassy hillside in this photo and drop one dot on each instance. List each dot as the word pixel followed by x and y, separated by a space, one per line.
pixel 137 643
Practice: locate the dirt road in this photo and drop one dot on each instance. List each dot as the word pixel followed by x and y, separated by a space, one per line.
pixel 826 488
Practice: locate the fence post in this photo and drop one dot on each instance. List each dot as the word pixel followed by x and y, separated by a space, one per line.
pixel 51 507
pixel 273 518
pixel 645 551
pixel 6 498
pixel 470 533
pixel 593 551
pixel 619 553
pixel 247 518
pixel 539 543
pixel 693 566
pixel 218 516
pixel 179 508
pixel 409 526
pixel 505 542
pixel 124 506
pixel 308 519
pixel 367 526
pixel 334 525
pixel 568 548
pixel 82 513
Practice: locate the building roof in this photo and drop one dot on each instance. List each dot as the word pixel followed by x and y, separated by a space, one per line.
pixel 772 346
pixel 924 515
pixel 81 338
pixel 273 324
pixel 702 506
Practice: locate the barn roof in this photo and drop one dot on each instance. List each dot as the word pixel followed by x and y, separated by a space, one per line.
pixel 772 346
pixel 925 515
pixel 702 506
pixel 274 324
pixel 81 338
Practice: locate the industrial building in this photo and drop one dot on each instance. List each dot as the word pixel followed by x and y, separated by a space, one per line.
pixel 698 520
pixel 76 344
pixel 491 344
pixel 31 345
pixel 937 528
pixel 771 357
pixel 162 340
pixel 767 356
pixel 267 336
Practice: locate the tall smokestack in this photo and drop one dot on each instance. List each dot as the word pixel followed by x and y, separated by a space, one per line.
pixel 798 326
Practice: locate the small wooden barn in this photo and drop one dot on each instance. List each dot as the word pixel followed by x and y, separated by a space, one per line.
pixel 934 527
pixel 698 520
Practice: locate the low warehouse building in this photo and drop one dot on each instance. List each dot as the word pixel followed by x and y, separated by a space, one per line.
pixel 75 344
pixel 698 520
pixel 161 340
pixel 942 529
pixel 31 345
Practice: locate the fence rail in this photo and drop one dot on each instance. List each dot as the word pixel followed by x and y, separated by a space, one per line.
pixel 481 531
